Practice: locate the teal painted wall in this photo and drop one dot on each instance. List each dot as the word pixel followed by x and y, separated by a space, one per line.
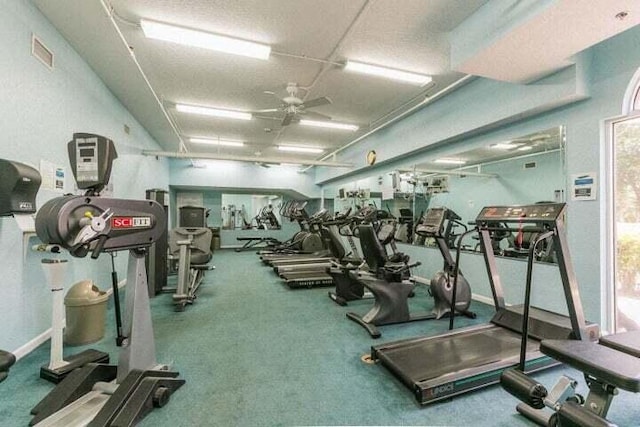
pixel 221 174
pixel 40 110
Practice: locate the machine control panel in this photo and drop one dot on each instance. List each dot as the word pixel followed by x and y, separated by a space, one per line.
pixel 537 213
pixel 431 222
pixel 91 157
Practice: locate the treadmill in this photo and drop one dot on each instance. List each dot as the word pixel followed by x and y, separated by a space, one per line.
pixel 467 359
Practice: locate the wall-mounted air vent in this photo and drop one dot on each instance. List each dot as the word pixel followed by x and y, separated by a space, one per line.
pixel 40 51
pixel 530 165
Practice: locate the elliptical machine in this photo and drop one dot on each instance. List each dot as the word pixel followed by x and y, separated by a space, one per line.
pixel 105 395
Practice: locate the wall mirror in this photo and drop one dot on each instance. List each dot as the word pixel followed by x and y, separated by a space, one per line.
pixel 231 209
pixel 523 170
pixel 250 211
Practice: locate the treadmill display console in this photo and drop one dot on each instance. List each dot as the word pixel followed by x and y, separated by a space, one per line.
pixel 543 212
pixel 431 222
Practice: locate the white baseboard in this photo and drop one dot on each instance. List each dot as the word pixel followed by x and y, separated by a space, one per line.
pixel 32 345
pixel 482 299
pixel 46 335
pixel 121 284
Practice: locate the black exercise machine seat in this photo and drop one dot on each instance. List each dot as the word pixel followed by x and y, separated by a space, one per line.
pixel 606 364
pixel 626 342
pixel 373 251
pixel 6 361
pixel 200 243
pixel 192 246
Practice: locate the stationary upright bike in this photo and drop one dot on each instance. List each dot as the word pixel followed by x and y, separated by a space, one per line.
pixel 432 224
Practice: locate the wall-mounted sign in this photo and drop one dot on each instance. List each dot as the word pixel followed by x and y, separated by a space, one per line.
pixel 584 186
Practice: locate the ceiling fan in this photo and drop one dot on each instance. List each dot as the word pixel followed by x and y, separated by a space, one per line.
pixel 294 108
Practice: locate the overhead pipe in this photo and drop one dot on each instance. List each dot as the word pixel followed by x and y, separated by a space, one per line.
pixel 460 172
pixel 453 86
pixel 330 61
pixel 254 159
pixel 111 14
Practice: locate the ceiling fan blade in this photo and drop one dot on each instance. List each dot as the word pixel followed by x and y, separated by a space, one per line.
pixel 314 115
pixel 287 119
pixel 317 102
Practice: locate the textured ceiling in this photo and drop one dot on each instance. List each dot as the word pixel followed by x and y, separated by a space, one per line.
pixel 411 35
pixel 310 41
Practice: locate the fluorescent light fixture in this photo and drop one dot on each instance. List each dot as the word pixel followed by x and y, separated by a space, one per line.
pixel 185 36
pixel 525 148
pixel 224 142
pixel 216 112
pixel 389 73
pixel 450 161
pixel 289 166
pixel 330 125
pixel 296 149
pixel 504 146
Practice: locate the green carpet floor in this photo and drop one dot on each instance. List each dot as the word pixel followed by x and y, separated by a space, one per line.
pixel 255 353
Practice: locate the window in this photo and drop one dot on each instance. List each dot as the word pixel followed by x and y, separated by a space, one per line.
pixel 626 223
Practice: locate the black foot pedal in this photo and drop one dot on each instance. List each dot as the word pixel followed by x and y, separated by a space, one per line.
pixel 73 362
pixel 136 396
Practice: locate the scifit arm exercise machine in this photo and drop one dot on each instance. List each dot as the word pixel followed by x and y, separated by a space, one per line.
pixel 96 394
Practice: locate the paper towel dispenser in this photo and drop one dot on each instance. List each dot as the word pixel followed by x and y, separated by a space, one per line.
pixel 19 184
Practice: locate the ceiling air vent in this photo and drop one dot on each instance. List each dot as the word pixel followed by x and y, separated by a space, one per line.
pixel 530 165
pixel 40 51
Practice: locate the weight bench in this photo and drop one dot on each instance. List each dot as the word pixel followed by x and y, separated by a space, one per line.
pixel 611 364
pixel 253 242
pixel 6 361
pixel 626 342
pixel 192 245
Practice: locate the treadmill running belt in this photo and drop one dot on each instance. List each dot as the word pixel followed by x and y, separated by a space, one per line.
pixel 427 360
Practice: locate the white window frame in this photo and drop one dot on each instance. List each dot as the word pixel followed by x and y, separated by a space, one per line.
pixel 630 111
